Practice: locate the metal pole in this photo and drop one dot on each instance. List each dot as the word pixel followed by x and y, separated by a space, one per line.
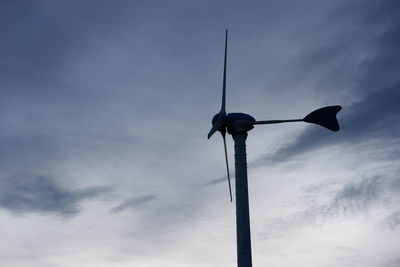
pixel 242 201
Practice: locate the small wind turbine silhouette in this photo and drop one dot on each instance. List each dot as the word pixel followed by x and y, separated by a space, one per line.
pixel 238 124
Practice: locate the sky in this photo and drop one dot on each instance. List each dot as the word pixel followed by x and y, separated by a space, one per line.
pixel 105 107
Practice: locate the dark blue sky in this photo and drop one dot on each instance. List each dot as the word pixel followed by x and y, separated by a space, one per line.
pixel 105 107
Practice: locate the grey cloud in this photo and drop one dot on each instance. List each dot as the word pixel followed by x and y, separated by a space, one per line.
pixel 395 185
pixel 43 35
pixel 220 180
pixel 27 150
pixel 216 181
pixel 357 195
pixel 364 194
pixel 393 220
pixel 393 263
pixel 39 194
pixel 360 196
pixel 373 118
pixel 133 203
pixel 376 82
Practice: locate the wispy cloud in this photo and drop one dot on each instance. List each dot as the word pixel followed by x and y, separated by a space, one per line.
pixel 368 195
pixel 357 196
pixel 393 220
pixel 221 180
pixel 133 203
pixel 21 194
pixel 362 195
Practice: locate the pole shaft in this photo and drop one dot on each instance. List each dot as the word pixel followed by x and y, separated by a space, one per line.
pixel 242 202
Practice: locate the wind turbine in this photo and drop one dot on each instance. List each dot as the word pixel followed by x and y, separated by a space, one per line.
pixel 238 124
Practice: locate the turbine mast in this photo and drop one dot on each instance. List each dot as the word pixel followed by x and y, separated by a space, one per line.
pixel 238 126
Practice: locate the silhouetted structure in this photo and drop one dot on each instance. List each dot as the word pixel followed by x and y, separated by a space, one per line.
pixel 238 124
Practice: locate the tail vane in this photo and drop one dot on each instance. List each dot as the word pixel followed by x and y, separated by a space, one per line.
pixel 325 117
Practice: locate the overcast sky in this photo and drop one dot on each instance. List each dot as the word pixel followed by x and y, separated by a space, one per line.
pixel 105 107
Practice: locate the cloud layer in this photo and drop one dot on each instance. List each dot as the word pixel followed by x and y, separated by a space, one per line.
pixel 113 103
pixel 22 194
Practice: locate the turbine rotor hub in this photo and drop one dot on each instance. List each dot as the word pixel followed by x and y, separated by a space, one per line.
pixel 239 123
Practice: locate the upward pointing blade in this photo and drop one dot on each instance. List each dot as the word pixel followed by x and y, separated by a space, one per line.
pixel 219 119
pixel 224 77
pixel 227 166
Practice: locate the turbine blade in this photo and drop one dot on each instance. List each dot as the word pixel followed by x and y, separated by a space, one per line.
pixel 218 124
pixel 224 77
pixel 227 167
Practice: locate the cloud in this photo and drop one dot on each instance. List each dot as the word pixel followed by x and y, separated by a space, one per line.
pixel 373 118
pixel 39 194
pixel 393 263
pixel 221 180
pixel 373 111
pixel 393 220
pixel 374 197
pixel 357 196
pixel 375 192
pixel 133 203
